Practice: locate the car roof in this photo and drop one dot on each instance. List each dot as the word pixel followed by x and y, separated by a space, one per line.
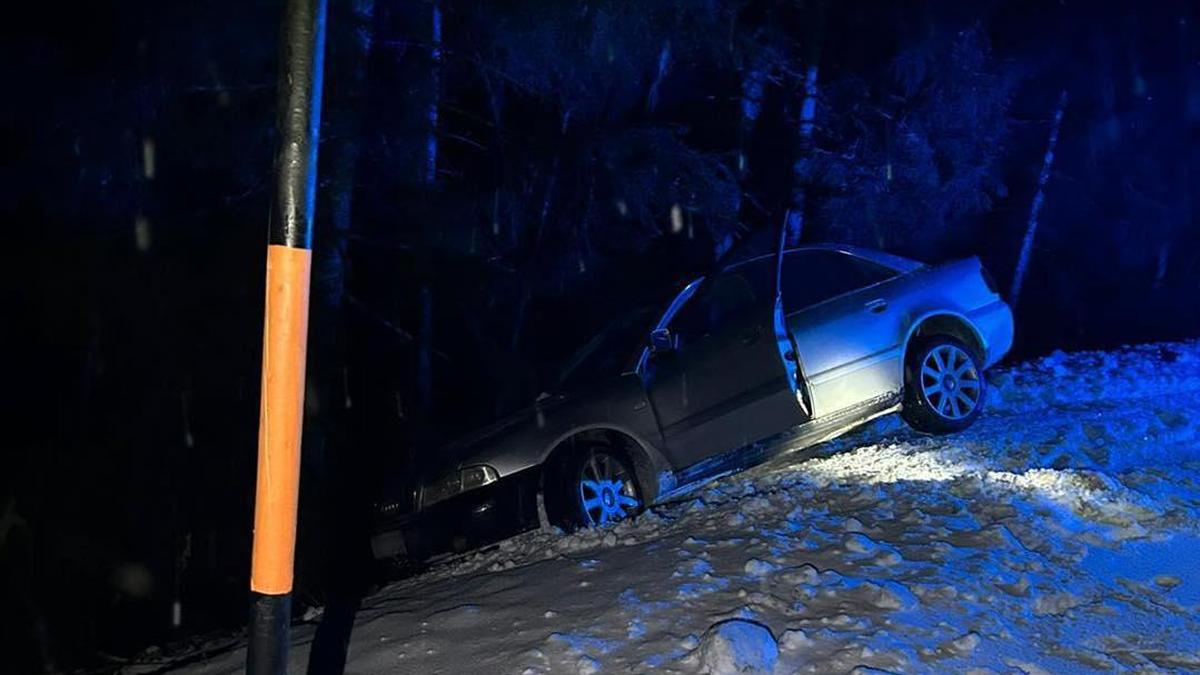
pixel 898 263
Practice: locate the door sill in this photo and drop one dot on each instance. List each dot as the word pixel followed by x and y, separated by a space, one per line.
pixel 800 437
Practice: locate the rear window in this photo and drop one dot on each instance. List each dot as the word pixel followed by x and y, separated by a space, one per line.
pixel 814 276
pixel 810 276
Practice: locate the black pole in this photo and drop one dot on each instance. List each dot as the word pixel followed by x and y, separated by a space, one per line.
pixel 289 266
pixel 298 119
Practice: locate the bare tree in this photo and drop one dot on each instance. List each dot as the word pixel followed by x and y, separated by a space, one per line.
pixel 800 173
pixel 429 178
pixel 1038 197
pixel 813 26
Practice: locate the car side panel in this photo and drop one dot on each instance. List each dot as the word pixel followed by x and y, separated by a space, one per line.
pixel 851 355
pixel 957 289
pixel 994 323
pixel 724 391
pixel 620 406
pixel 849 352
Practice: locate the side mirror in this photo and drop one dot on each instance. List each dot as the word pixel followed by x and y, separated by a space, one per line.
pixel 661 340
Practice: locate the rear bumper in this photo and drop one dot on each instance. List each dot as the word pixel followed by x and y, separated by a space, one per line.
pixel 461 523
pixel 995 325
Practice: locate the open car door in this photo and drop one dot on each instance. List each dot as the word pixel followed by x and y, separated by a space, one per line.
pixel 723 374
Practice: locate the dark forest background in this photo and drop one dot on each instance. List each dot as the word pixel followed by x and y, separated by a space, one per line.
pixel 497 180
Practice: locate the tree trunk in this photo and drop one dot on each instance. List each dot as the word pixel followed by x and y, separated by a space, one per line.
pixel 753 89
pixel 753 86
pixel 429 179
pixel 337 538
pixel 351 50
pixel 1036 208
pixel 800 169
pixel 435 87
pixel 664 63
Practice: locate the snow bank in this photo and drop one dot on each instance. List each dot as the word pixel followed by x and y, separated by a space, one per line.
pixel 1058 534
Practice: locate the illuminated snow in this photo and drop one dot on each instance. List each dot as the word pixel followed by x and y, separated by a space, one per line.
pixel 1058 534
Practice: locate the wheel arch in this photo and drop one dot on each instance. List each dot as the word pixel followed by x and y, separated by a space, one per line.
pixel 647 461
pixel 948 323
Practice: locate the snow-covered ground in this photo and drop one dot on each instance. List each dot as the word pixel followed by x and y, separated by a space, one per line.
pixel 1059 534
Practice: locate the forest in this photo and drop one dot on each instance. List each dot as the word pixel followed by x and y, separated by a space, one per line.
pixel 498 181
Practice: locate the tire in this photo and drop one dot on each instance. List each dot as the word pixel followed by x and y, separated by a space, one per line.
pixel 596 486
pixel 944 387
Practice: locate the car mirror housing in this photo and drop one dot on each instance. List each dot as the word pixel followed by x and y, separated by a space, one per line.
pixel 661 340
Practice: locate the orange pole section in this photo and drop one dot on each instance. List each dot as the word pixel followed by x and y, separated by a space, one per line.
pixel 281 417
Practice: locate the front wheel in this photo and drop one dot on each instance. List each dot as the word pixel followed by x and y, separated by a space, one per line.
pixel 943 385
pixel 601 488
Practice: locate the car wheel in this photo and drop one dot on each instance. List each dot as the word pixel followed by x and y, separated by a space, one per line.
pixel 601 488
pixel 943 385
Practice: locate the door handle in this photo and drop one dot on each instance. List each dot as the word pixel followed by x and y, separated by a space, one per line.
pixel 876 306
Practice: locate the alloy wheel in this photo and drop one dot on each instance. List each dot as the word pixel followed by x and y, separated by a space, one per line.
pixel 950 382
pixel 606 491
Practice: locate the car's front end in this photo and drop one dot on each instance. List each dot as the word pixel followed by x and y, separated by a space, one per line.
pixel 465 495
pixel 484 487
pixel 453 519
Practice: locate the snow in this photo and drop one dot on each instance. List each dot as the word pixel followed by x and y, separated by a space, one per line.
pixel 1059 534
pixel 735 646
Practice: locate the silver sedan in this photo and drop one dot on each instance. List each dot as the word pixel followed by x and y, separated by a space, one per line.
pixel 811 344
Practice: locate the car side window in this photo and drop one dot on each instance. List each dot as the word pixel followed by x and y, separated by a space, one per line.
pixel 814 276
pixel 727 296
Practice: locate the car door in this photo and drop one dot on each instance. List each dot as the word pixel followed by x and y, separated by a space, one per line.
pixel 846 331
pixel 724 384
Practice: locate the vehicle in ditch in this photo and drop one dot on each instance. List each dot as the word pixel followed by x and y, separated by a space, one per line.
pixel 809 342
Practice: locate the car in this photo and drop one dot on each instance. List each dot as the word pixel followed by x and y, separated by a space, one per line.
pixel 809 342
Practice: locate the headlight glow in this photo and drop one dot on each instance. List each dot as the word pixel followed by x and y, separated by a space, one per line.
pixel 457 482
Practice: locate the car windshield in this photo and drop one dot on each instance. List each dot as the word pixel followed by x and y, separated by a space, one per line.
pixel 609 350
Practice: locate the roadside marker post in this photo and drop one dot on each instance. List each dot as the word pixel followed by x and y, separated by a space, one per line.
pixel 285 333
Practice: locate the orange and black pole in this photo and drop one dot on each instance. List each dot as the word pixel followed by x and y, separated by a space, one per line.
pixel 285 333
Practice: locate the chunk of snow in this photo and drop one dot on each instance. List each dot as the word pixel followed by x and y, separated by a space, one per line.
pixel 736 647
pixel 961 646
pixel 795 640
pixel 759 568
pixel 804 575
pixel 587 665
pixel 312 613
pixel 1056 603
pixel 1167 581
pixel 858 543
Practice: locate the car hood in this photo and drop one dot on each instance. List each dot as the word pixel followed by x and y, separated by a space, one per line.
pixel 460 451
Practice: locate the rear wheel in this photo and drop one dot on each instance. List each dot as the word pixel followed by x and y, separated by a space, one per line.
pixel 598 488
pixel 943 385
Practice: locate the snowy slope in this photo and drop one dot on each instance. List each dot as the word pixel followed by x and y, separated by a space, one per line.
pixel 1059 534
